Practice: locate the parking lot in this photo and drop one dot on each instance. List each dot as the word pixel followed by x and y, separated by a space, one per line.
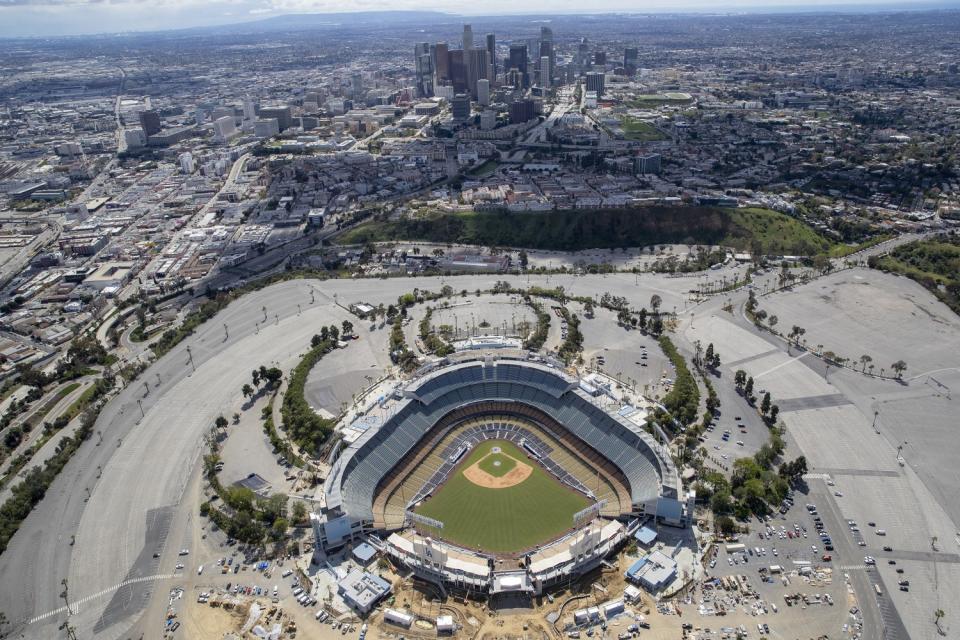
pixel 784 557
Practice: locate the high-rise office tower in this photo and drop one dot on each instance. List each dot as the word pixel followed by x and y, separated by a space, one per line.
pixel 458 70
pixel 187 164
pixel 600 58
pixel 544 71
pixel 224 128
pixel 477 68
pixel 522 111
pixel 467 37
pixel 595 82
pixel 546 51
pixel 492 56
pixel 283 116
pixel 513 78
pixel 460 107
pixel 483 91
pixel 356 84
pixel 423 63
pixel 441 54
pixel 249 110
pixel 518 61
pixel 150 122
pixel 630 57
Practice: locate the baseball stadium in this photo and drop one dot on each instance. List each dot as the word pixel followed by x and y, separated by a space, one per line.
pixel 497 472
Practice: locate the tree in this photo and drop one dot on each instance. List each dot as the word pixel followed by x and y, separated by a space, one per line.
pixel 773 321
pixel 765 404
pixel 795 334
pixel 655 302
pixel 748 388
pixel 298 513
pixel 739 379
pixel 247 390
pixel 899 366
pixel 864 361
pixel 656 327
pixel 255 376
pixel 726 525
pixel 524 259
pixel 221 422
pixel 347 328
pixel 272 376
pixel 721 503
pixel 774 412
pixel 279 528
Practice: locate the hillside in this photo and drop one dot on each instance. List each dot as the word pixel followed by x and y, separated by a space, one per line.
pixel 771 232
pixel 934 263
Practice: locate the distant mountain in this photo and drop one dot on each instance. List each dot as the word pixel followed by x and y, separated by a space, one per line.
pixel 338 20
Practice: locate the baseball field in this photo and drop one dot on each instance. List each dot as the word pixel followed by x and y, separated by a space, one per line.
pixel 501 501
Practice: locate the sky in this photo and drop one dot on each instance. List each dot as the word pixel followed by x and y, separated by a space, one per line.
pixel 77 17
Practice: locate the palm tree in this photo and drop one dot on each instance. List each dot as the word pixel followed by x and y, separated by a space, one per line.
pixel 937 615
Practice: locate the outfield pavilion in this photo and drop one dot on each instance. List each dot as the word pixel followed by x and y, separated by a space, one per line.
pixel 377 479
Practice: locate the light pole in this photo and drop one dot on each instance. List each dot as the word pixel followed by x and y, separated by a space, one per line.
pixel 140 404
pixel 190 355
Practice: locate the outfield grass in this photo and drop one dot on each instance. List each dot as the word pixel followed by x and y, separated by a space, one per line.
pixel 503 520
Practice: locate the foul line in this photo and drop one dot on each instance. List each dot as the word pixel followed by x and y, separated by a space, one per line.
pixel 75 605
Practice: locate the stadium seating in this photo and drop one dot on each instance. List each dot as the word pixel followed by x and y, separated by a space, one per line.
pixel 509 400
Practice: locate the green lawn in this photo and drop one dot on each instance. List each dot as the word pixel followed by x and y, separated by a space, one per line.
pixel 503 520
pixel 639 130
pixel 484 170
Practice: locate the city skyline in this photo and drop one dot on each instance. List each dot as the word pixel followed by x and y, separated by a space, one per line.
pixel 55 18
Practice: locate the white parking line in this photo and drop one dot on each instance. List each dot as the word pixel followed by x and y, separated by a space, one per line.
pixel 782 364
pixel 75 605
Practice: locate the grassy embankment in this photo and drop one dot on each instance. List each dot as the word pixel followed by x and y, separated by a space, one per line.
pixel 746 229
pixel 934 263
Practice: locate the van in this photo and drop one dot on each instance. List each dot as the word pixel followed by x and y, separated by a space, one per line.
pixel 286 573
pixel 200 571
pixel 297 591
pixel 881 532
